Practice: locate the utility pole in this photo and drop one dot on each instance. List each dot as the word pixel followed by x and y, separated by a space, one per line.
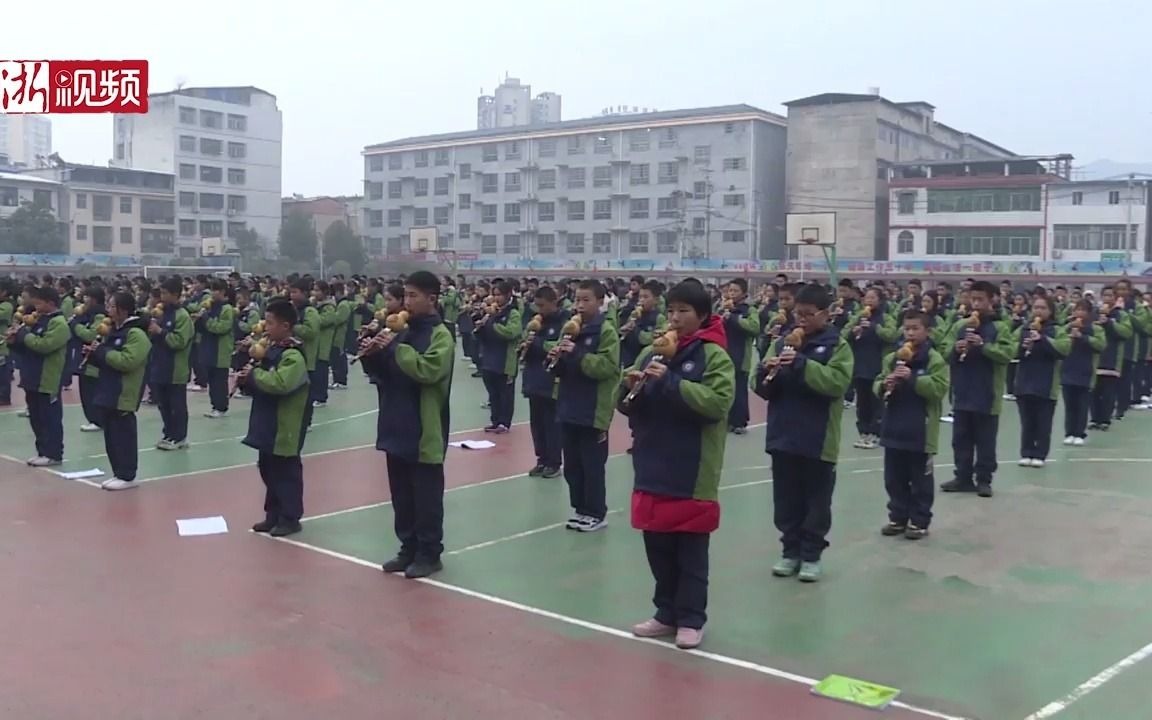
pixel 1128 223
pixel 708 214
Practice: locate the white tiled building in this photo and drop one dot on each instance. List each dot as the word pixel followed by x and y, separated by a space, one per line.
pixel 25 140
pixel 1087 221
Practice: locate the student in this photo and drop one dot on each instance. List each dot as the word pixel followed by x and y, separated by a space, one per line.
pixel 307 327
pixel 215 325
pixel 84 326
pixel 7 309
pixel 498 332
pixel 778 323
pixel 982 348
pixel 43 347
pixel 912 392
pixel 337 359
pixel 540 387
pixel 684 405
pixel 413 376
pixel 1042 345
pixel 742 328
pixel 122 358
pixel 1117 326
pixel 169 370
pixel 1078 371
pixel 449 305
pixel 278 423
pixel 870 332
pixel 806 394
pixel 638 331
pixel 329 319
pixel 588 369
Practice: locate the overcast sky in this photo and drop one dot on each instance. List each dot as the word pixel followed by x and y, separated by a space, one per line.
pixel 1037 76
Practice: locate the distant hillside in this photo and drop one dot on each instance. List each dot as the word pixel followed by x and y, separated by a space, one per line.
pixel 1109 170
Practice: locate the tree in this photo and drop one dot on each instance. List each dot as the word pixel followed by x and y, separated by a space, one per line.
pixel 298 238
pixel 248 244
pixel 340 243
pixel 32 229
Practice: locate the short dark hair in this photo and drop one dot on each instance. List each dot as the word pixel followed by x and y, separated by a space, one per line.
pixel 322 287
pixel 396 290
pixel 97 294
pixel 639 279
pixel 847 282
pixel 304 285
pixel 424 281
pixel 985 287
pixel 814 295
pixel 740 283
pixel 546 294
pixel 503 287
pixel 916 314
pixel 595 286
pixel 172 285
pixel 46 293
pixel 124 301
pixel 693 295
pixel 653 286
pixel 283 310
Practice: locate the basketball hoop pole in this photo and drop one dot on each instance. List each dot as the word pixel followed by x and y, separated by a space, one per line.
pixel 830 259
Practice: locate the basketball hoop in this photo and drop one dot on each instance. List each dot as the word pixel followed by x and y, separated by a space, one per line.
pixel 810 235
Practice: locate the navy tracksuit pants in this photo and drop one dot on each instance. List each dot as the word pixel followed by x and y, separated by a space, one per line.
pixel 339 364
pixel 1036 415
pixel 802 495
pixel 46 416
pixel 545 431
pixel 283 487
pixel 92 414
pixel 172 402
pixel 738 414
pixel 974 446
pixel 679 565
pixel 418 505
pixel 120 442
pixel 909 480
pixel 1077 399
pixel 585 455
pixel 501 397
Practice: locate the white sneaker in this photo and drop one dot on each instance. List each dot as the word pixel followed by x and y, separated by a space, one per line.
pixel 90 427
pixel 1024 462
pixel 117 484
pixel 1069 440
pixel 22 414
pixel 593 524
pixel 1078 441
pixel 317 404
pixel 43 462
pixel 577 521
pixel 1037 463
pixel 947 419
pixel 34 460
pixel 215 414
pixel 1008 396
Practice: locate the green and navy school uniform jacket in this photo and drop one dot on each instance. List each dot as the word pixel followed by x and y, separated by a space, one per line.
pixel 741 328
pixel 911 419
pixel 978 381
pixel 171 347
pixel 872 344
pixel 679 430
pixel 217 341
pixel 43 356
pixel 245 318
pixel 278 386
pixel 771 332
pixel 1137 346
pixel 589 376
pixel 362 314
pixel 413 377
pixel 498 338
pixel 307 330
pixel 1038 374
pixel 841 314
pixel 640 336
pixel 450 305
pixel 527 314
pixel 67 305
pixel 122 357
pixel 343 325
pixel 7 309
pixel 1079 367
pixel 83 332
pixel 1117 329
pixel 806 400
pixel 538 382
pixel 328 322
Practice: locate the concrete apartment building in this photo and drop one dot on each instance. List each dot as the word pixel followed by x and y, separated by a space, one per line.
pixel 840 146
pixel 223 144
pixel 113 210
pixel 25 140
pixel 704 182
pixel 19 188
pixel 1087 221
pixel 512 105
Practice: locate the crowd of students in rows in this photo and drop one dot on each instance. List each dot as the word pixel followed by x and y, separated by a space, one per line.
pixel 679 362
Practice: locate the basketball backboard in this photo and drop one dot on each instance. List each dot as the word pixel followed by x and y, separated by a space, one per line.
pixel 423 239
pixel 816 228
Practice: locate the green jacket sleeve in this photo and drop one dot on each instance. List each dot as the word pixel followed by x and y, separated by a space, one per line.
pixel 343 312
pixel 87 333
pixel 1096 339
pixel 711 397
pixel 1123 326
pixel 1002 350
pixel 430 366
pixel 223 323
pixel 604 364
pixel 832 378
pixel 55 336
pixel 180 336
pixel 1061 343
pixel 645 337
pixel 309 328
pixel 511 328
pixel 289 375
pixel 749 323
pixel 132 355
pixel 888 330
pixel 933 384
pixel 329 316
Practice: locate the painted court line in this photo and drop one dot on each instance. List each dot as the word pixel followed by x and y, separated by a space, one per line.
pixel 1094 683
pixel 605 629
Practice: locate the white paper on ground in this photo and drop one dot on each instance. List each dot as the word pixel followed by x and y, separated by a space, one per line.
pixel 80 474
pixel 473 444
pixel 202 526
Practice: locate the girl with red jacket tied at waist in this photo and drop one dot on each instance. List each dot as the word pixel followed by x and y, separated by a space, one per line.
pixel 679 418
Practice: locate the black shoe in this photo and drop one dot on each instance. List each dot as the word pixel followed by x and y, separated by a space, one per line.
pixel 739 431
pixel 893 529
pixel 915 533
pixel 956 485
pixel 264 526
pixel 629 451
pixel 285 528
pixel 476 374
pixel 984 489
pixel 536 471
pixel 397 564
pixel 422 569
pixel 550 472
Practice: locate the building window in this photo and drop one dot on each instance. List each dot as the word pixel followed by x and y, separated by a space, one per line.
pixel 638 209
pixel 575 145
pixel 638 243
pixel 546 148
pixel 702 155
pixel 465 231
pixel 237 176
pixel 81 232
pixel 440 158
pixel 210 174
pixel 119 151
pixel 234 229
pixel 512 244
pixel 602 243
pixel 602 176
pixel 157 212
pixel 421 158
pixel 81 201
pixel 906 203
pixel 440 215
pixel 102 208
pixel 638 140
pixel 699 226
pixel 666 242
pixel 393 218
pixel 237 150
pixel 375 163
pixel 733 236
pixel 512 181
pixel 187 200
pixel 602 145
pixel 237 204
pixel 601 209
pixel 187 228
pixel 547 179
pixel 575 244
pixel 420 217
pixel 667 207
pixel 211 201
pixel 125 205
pixel 374 190
pixel 396 161
pixel 904 243
pixel 490 183
pixel 395 189
pixel 440 186
pixel 187 143
pixel 985 200
pixel 512 212
pixel 1077 198
pixel 159 242
pixel 465 171
pixel 669 173
pixel 464 200
pixel 1093 237
pixel 208 146
pixel 546 244
pixel 187 171
pixel 736 163
pixel 125 236
pixel 187 115
pixel 421 187
pixel 1113 197
pixel 488 244
pixel 102 238
pixel 668 138
pixel 984 241
pixel 575 178
pixel 211 119
pixel 546 212
pixel 512 152
pixel 576 210
pixel 699 190
pixel 488 214
pixel 638 174
pixel 490 153
pixel 237 122
pixel 734 200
